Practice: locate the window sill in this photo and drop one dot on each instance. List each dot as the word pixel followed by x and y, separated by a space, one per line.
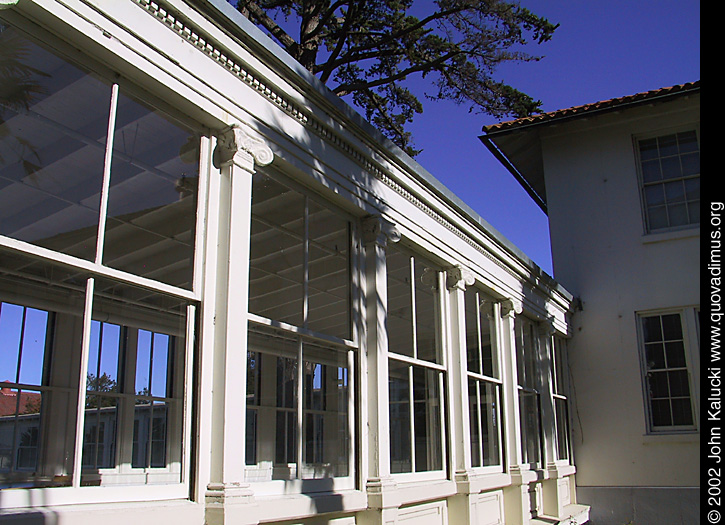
pixel 174 511
pixel 688 437
pixel 671 235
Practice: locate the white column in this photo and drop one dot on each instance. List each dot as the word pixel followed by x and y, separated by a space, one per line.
pixel 380 486
pixel 457 279
pixel 516 496
pixel 228 498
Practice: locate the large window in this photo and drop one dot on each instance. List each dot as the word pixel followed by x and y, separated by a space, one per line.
pixel 128 203
pixel 134 342
pixel 667 373
pixel 484 380
pixel 670 180
pixel 98 219
pixel 416 380
pixel 300 363
pixel 527 366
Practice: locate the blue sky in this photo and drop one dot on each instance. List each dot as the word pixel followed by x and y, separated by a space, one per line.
pixel 602 50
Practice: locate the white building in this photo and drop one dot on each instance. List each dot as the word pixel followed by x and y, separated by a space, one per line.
pixel 276 314
pixel 620 180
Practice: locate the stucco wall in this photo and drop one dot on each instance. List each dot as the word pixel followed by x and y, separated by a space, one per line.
pixel 602 255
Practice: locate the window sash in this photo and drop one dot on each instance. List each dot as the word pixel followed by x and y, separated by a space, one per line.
pixel 658 365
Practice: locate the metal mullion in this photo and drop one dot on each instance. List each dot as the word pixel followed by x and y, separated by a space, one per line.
pixel 187 400
pixel 80 413
pixel 480 423
pixel 105 188
pixel 481 377
pixel 442 417
pixel 413 310
pixel 300 406
pixel 411 400
pixel 478 333
pixel 416 362
pixel 501 426
pixel 351 414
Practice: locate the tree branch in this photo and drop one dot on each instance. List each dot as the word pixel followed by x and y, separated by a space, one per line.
pixel 345 89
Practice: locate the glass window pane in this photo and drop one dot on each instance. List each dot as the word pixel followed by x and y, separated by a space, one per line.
pixel 651 171
pixel 671 168
pixel 648 149
pixel 473 350
pixel 53 125
pixel 658 385
pixel 276 281
pixel 400 417
pixel 682 412
pixel 655 355
pixel 657 216
pixel 426 311
pixel 427 418
pixel 562 428
pixel 141 351
pixel 530 437
pixel 668 145
pixel 654 195
pixel 326 421
pixel 475 422
pixel 40 342
pixel 328 309
pixel 690 164
pixel 671 327
pixel 661 414
pixel 11 329
pixel 150 230
pixel 491 423
pixel 400 300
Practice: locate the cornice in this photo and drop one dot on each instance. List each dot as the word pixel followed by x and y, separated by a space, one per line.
pixel 235 65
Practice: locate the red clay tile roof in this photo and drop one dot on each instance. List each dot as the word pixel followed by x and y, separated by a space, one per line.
pixel 596 106
pixel 29 402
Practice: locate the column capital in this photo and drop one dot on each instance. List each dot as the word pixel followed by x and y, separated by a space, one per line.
pixel 511 307
pixel 546 327
pixel 376 229
pixel 236 145
pixel 459 277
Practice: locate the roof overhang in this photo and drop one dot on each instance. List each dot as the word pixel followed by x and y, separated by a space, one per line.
pixel 517 145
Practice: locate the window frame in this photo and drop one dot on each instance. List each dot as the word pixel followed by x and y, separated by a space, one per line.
pixel 303 335
pixel 95 269
pixel 439 367
pixel 560 393
pixel 534 389
pixel 690 339
pixel 480 379
pixel 636 140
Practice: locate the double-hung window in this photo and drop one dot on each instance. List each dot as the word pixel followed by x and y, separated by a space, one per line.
pixel 301 352
pixel 416 369
pixel 527 366
pixel 667 372
pixel 670 180
pixel 98 220
pixel 484 380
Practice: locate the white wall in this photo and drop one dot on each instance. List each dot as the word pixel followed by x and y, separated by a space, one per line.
pixel 602 255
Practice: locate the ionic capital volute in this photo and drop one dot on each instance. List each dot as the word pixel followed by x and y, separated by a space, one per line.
pixel 459 277
pixel 236 145
pixel 377 230
pixel 511 307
